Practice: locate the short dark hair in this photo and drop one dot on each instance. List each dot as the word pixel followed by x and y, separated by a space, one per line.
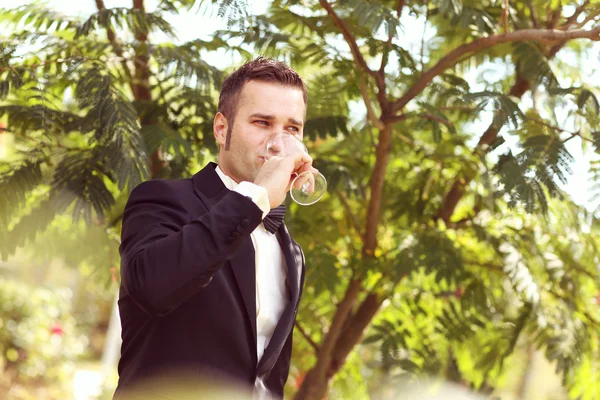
pixel 260 69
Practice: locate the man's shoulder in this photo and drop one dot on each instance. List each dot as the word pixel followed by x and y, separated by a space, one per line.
pixel 165 186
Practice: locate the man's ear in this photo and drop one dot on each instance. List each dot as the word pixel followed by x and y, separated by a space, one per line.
pixel 220 129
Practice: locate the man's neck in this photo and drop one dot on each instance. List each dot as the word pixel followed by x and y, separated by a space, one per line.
pixel 225 171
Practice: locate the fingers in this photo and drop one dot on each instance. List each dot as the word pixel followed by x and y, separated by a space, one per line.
pixel 301 159
pixel 305 182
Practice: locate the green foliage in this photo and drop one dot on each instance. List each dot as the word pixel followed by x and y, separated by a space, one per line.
pixel 524 177
pixel 39 339
pixel 132 19
pixel 372 16
pixel 513 266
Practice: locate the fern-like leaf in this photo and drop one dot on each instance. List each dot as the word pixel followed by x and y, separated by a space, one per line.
pixel 15 183
pixel 506 110
pixel 533 65
pixel 373 15
pixel 132 19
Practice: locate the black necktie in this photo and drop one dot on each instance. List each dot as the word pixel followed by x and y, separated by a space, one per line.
pixel 274 219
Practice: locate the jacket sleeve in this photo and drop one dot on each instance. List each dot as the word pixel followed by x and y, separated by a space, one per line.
pixel 166 257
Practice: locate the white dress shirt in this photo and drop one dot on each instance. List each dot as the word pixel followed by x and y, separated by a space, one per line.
pixel 271 273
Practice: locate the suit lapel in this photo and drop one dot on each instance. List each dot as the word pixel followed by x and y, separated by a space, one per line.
pixel 285 325
pixel 292 260
pixel 210 189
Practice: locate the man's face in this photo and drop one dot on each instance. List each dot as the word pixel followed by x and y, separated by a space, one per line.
pixel 263 108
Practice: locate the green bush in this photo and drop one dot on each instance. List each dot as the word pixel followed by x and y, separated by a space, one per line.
pixel 39 339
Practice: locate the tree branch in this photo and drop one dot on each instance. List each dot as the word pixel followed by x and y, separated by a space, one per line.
pixel 561 130
pixel 399 8
pixel 382 154
pixel 348 37
pixel 357 55
pixel 316 379
pixel 589 18
pixel 457 191
pixel 546 35
pixel 432 117
pixel 112 38
pixel 573 18
pixel 505 15
pixel 364 91
pixel 422 52
pixel 307 337
pixel 141 85
pixel 533 13
pixel 354 329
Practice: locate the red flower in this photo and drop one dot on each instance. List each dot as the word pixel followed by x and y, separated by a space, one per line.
pixel 56 329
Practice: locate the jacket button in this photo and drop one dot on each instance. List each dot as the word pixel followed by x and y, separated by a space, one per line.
pixel 244 224
pixel 235 235
pixel 229 240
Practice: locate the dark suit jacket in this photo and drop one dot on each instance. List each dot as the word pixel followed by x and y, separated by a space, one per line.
pixel 187 296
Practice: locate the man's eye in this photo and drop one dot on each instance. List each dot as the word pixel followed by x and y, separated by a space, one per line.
pixel 260 122
pixel 294 129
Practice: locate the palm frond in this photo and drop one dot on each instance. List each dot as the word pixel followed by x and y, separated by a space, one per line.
pixel 160 134
pixel 185 65
pixel 78 182
pixel 445 263
pixel 520 276
pixel 110 114
pixel 505 109
pixel 232 10
pixel 27 228
pixel 38 17
pixel 373 16
pixel 322 127
pixel 264 37
pixel 533 65
pixel 125 18
pixel 127 162
pixel 15 183
pixel 458 325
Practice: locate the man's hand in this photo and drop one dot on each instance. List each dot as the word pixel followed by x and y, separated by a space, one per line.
pixel 277 174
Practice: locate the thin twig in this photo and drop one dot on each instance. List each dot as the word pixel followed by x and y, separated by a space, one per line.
pixel 423 35
pixel 593 320
pixel 534 18
pixel 573 18
pixel 112 38
pixel 399 8
pixel 348 37
pixel 364 91
pixel 589 18
pixel 348 210
pixel 478 45
pixel 505 15
pixel 307 337
pixel 357 55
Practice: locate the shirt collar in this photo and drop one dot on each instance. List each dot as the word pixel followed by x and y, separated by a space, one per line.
pixel 227 181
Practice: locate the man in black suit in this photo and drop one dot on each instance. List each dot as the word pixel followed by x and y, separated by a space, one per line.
pixel 208 287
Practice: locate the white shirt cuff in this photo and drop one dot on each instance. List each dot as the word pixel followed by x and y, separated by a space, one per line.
pixel 258 194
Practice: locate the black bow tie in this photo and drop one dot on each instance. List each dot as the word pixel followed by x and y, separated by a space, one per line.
pixel 274 219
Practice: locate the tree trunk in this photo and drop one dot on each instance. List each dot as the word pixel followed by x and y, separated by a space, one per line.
pixel 336 347
pixel 316 381
pixel 141 87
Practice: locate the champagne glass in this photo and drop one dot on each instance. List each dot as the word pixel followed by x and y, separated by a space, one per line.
pixel 307 187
